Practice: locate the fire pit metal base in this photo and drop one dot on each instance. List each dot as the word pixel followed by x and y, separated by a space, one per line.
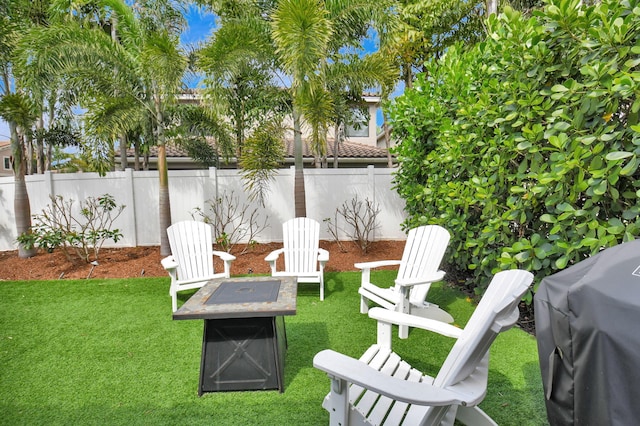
pixel 244 339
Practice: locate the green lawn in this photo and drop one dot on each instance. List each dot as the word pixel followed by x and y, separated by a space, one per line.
pixel 107 352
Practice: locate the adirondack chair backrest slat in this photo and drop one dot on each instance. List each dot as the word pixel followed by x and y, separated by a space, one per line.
pixel 422 255
pixel 301 241
pixel 192 246
pixel 497 308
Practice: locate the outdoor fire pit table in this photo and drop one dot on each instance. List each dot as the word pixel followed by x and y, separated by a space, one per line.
pixel 244 339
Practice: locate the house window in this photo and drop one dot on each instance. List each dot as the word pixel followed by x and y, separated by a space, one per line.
pixel 360 126
pixel 6 163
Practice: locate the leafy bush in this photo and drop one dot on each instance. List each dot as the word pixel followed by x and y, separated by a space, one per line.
pixel 83 236
pixel 526 146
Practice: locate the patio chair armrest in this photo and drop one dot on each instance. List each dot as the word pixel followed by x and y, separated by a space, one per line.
pixel 376 264
pixel 438 276
pixel 227 257
pixel 169 263
pixel 273 256
pixel 342 367
pixel 388 317
pixel 323 255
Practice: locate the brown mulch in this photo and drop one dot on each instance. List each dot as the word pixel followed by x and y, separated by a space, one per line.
pixel 131 262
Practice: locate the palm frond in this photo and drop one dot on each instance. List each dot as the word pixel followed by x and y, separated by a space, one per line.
pixel 18 108
pixel 85 61
pixel 316 105
pixel 162 57
pixel 302 32
pixel 112 116
pixel 262 155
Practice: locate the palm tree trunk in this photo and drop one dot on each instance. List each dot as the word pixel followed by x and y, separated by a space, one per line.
pixel 164 203
pixel 387 140
pixel 21 205
pixel 136 154
pixel 407 76
pixel 39 144
pixel 52 122
pixel 123 143
pixel 49 156
pixel 299 194
pixel 337 138
pixel 492 7
pixel 28 158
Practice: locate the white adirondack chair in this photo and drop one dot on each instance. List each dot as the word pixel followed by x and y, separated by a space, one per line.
pixel 381 388
pixel 303 258
pixel 191 262
pixel 417 270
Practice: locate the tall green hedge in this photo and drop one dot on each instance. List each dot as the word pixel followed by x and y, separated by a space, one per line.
pixel 526 146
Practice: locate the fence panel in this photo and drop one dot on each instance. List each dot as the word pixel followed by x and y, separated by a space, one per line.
pixel 326 191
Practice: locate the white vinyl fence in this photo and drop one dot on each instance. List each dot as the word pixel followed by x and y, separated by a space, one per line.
pixel 326 191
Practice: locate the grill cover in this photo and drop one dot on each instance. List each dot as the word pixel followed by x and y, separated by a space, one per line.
pixel 588 334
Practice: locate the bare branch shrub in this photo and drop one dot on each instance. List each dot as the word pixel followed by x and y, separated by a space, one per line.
pixel 231 221
pixel 332 227
pixel 56 226
pixel 362 218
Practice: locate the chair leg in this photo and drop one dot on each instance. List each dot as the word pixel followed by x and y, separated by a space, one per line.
pixel 338 402
pixel 404 306
pixel 364 305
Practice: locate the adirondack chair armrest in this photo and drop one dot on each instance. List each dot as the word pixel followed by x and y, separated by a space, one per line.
pixel 376 264
pixel 341 367
pixel 273 256
pixel 323 256
pixel 438 276
pixel 227 257
pixel 388 317
pixel 169 263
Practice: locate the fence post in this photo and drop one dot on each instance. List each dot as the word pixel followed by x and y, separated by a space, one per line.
pixel 371 188
pixel 130 201
pixel 48 183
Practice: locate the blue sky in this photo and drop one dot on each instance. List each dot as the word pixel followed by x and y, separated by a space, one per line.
pixel 201 25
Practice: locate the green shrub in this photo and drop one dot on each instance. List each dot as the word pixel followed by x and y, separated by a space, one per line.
pixel 526 146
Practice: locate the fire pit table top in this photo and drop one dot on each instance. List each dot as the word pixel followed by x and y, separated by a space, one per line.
pixel 241 297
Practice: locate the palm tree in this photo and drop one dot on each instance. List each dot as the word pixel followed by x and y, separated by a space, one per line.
pixel 311 39
pixel 241 85
pixel 301 31
pixel 301 42
pixel 17 108
pixel 118 81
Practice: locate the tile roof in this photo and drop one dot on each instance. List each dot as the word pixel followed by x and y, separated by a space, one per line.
pixel 347 150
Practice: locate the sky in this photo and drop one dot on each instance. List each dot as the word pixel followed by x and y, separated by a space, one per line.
pixel 201 25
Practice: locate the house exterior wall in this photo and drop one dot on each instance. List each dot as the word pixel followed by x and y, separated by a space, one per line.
pixel 371 139
pixel 373 102
pixel 5 159
pixel 326 191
